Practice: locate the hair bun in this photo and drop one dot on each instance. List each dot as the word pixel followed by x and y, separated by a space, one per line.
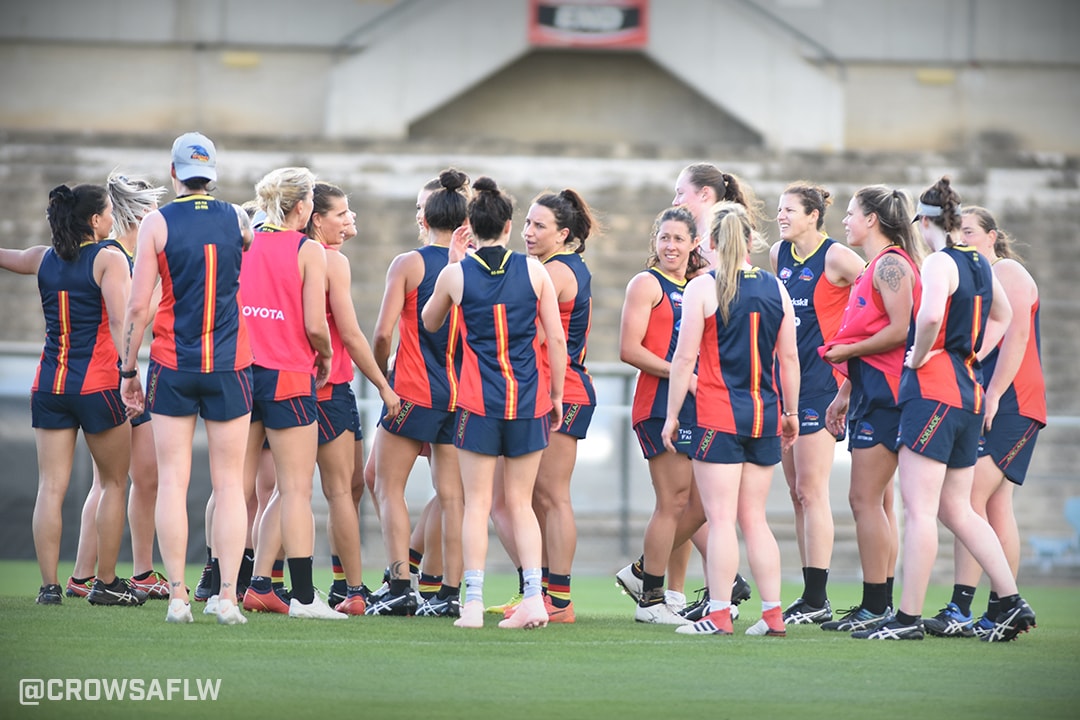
pixel 485 184
pixel 452 178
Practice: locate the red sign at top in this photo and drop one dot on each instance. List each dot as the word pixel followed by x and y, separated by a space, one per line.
pixel 589 23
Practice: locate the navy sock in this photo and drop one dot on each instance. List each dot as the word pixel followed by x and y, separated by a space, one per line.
pixel 300 574
pixel 215 577
pixel 814 592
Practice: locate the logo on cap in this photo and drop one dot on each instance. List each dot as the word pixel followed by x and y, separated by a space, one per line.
pixel 199 153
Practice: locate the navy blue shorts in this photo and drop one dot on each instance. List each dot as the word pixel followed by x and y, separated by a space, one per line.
pixel 94 412
pixel 279 398
pixel 422 423
pixel 338 413
pixel 576 420
pixel 714 446
pixel 812 414
pixel 651 440
pixel 941 432
pixel 1009 444
pixel 218 396
pixel 496 436
pixel 881 426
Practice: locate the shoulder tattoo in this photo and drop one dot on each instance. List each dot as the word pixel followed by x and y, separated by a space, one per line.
pixel 891 270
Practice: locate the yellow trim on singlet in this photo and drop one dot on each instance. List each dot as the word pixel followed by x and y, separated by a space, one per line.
pixel 795 253
pixel 680 283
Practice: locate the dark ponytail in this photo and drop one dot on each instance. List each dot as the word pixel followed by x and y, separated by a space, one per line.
pixel 69 214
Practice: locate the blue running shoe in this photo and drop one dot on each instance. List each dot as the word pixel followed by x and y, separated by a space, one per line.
pixel 983 626
pixel 950 622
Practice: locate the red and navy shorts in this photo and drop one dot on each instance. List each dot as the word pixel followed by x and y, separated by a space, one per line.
pixel 941 432
pixel 721 448
pixel 651 440
pixel 283 399
pixel 93 412
pixel 1009 444
pixel 337 412
pixel 421 423
pixel 496 436
pixel 576 420
pixel 217 396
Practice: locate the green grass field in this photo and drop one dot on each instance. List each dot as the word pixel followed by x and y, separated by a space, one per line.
pixel 604 666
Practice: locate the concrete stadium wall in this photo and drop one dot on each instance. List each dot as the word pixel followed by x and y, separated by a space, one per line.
pixel 825 75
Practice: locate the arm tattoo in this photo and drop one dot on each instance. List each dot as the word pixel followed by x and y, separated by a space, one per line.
pixel 891 271
pixel 127 338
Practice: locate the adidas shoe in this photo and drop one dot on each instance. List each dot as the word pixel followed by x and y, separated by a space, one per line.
pixel 404 604
pixel 472 615
pixel 530 614
pixel 982 627
pixel 740 590
pixel 120 592
pixel 950 622
pixel 270 602
pixel 800 613
pixel 440 607
pixel 212 605
pixel 179 612
pixel 771 624
pixel 891 629
pixel 317 609
pixel 630 583
pixel 854 619
pixel 700 607
pixel 49 595
pixel 155 585
pixel 202 590
pixel 715 623
pixel 1010 623
pixel 80 590
pixel 228 613
pixel 507 608
pixel 559 615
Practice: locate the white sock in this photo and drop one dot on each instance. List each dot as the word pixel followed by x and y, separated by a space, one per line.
pixel 532 578
pixel 474 585
pixel 718 605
